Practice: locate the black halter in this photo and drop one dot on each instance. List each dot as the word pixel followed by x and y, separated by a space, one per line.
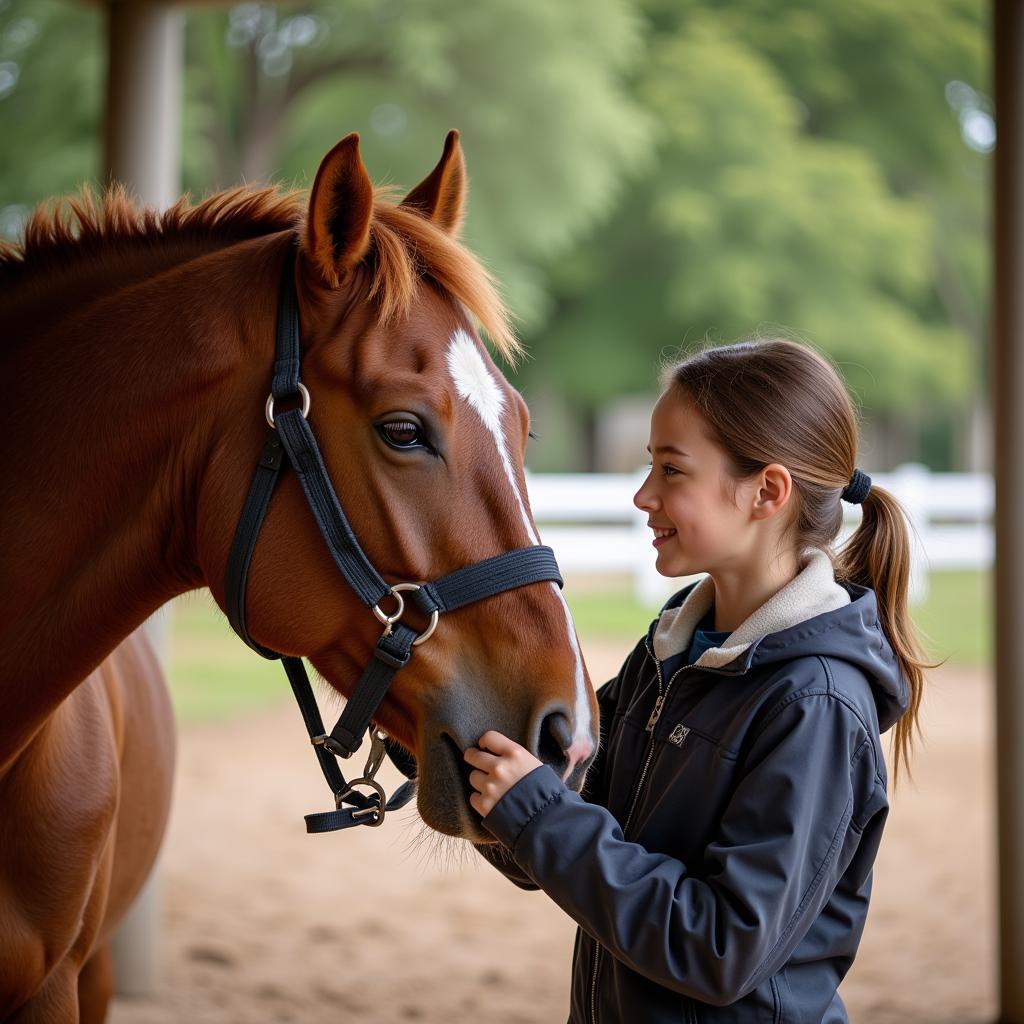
pixel 291 435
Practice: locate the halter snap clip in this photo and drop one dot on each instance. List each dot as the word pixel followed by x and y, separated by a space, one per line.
pixel 374 812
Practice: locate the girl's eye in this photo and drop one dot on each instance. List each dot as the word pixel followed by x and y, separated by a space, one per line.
pixel 402 434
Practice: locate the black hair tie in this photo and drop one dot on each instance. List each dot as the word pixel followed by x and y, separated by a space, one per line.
pixel 857 489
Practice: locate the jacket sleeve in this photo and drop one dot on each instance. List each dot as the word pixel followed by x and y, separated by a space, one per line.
pixel 784 840
pixel 500 856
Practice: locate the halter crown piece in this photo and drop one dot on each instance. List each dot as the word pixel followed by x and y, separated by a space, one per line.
pixel 857 489
pixel 291 443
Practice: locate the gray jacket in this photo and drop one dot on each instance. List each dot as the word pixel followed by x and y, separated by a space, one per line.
pixel 719 861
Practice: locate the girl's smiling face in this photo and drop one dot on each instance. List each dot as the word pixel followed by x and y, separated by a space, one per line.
pixel 699 524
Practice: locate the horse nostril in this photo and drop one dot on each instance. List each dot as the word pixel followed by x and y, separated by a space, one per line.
pixel 554 740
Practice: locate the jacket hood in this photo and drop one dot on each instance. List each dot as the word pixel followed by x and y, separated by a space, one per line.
pixel 812 615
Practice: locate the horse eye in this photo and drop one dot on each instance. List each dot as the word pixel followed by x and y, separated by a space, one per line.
pixel 402 434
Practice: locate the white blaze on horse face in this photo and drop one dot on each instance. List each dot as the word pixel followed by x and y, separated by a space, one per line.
pixel 475 384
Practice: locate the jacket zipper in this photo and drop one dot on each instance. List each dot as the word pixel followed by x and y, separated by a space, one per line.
pixel 664 689
pixel 659 704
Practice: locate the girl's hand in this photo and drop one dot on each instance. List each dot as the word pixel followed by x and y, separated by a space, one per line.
pixel 500 763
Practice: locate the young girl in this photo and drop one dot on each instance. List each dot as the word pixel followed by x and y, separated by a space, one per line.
pixel 719 860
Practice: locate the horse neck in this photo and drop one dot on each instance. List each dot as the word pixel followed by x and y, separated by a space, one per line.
pixel 113 414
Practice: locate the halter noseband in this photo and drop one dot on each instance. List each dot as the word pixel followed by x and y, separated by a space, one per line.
pixel 291 436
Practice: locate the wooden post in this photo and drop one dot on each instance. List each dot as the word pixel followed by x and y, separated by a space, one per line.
pixel 143 123
pixel 1008 404
pixel 143 132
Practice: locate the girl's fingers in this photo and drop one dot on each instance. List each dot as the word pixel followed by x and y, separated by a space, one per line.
pixel 478 780
pixel 496 742
pixel 480 759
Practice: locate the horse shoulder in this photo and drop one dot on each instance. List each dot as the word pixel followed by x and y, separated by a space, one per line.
pixel 58 804
pixel 143 722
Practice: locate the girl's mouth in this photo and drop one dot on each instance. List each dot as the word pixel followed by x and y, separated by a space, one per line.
pixel 662 536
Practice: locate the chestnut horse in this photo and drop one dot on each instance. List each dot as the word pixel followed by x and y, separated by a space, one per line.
pixel 138 356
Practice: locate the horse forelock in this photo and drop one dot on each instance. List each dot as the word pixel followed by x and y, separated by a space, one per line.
pixel 405 246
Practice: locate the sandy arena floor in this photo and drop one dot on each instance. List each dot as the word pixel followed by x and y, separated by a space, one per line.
pixel 264 923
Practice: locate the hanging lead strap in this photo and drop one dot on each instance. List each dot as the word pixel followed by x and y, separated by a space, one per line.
pixel 372 813
pixel 346 792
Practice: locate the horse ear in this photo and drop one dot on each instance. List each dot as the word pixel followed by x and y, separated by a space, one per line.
pixel 340 211
pixel 441 196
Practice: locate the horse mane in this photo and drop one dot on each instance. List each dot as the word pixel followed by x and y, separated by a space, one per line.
pixel 404 245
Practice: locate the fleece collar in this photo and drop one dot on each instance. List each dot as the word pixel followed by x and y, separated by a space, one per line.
pixel 813 591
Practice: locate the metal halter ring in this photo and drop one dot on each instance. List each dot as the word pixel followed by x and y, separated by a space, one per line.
pixel 303 391
pixel 390 620
pixel 375 812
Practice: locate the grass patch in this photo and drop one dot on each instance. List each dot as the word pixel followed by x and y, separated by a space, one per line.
pixel 956 618
pixel 212 674
pixel 609 615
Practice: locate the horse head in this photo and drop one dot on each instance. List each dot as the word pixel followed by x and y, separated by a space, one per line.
pixel 424 440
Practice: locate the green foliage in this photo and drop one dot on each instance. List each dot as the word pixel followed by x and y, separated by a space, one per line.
pixel 51 81
pixel 874 73
pixel 809 173
pixel 536 89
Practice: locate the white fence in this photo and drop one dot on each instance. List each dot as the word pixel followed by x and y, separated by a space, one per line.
pixel 594 528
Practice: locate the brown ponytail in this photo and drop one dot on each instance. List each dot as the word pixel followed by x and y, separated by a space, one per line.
pixel 776 400
pixel 878 556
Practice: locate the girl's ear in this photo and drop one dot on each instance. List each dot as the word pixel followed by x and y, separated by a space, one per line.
pixel 774 492
pixel 441 196
pixel 340 211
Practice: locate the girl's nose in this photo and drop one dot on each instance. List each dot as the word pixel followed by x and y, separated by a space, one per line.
pixel 644 498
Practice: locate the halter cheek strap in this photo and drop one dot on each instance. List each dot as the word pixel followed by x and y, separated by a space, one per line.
pixel 292 439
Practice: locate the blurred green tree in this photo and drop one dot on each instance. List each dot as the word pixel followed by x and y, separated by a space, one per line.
pixel 52 57
pixel 814 170
pixel 548 125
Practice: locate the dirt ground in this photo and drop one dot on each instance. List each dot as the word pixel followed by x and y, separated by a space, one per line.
pixel 263 923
